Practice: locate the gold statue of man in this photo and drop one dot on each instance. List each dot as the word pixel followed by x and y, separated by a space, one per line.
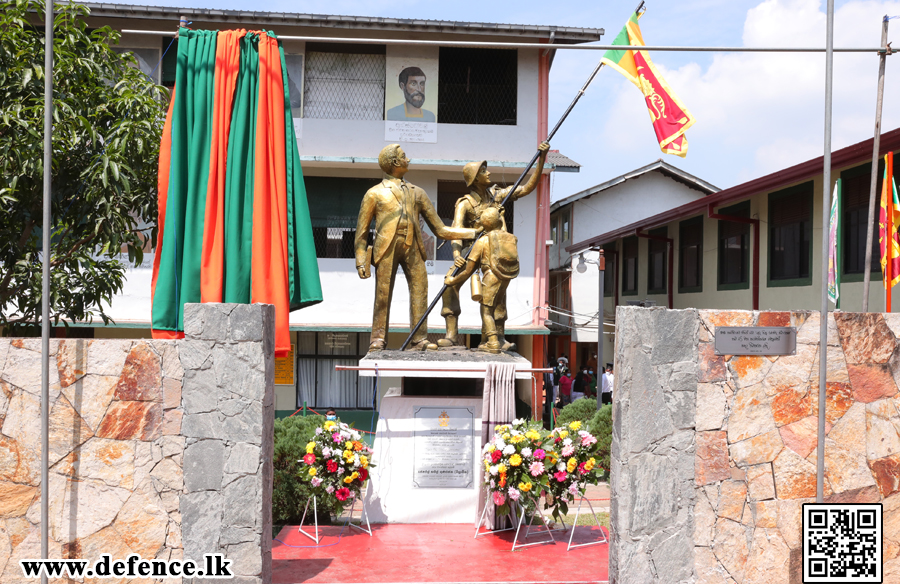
pixel 396 205
pixel 469 208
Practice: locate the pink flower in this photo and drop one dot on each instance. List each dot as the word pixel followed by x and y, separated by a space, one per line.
pixel 560 476
pixel 499 499
pixel 337 437
pixel 568 451
pixel 540 454
pixel 309 458
pixel 536 468
pixel 581 469
pixel 588 440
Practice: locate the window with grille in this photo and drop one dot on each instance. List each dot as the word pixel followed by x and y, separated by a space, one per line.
pixel 609 280
pixel 344 82
pixel 790 230
pixel 690 255
pixel 318 384
pixel 565 225
pixel 734 249
pixel 477 86
pixel 629 265
pixel 554 232
pixel 656 262
pixel 333 209
pixel 855 184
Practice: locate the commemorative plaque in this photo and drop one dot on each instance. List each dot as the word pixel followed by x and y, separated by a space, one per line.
pixel 443 455
pixel 756 340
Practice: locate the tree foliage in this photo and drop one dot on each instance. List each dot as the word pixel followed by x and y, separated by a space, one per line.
pixel 107 123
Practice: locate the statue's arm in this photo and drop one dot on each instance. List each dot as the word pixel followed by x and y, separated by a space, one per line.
pixel 535 176
pixel 471 264
pixel 459 217
pixel 366 213
pixel 434 222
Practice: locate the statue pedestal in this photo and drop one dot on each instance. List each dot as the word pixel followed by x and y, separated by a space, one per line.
pixel 428 447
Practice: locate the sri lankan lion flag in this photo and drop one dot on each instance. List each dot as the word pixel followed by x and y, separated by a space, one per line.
pixel 234 222
pixel 888 220
pixel 669 116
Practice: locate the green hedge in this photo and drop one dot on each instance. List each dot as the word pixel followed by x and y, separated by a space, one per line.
pixel 582 409
pixel 599 423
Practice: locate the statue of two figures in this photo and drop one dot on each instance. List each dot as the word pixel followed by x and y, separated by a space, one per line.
pixel 396 205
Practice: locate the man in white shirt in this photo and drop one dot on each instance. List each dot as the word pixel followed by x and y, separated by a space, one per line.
pixel 607 385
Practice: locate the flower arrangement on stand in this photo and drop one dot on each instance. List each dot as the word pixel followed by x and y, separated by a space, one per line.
pixel 576 468
pixel 337 466
pixel 523 461
pixel 516 463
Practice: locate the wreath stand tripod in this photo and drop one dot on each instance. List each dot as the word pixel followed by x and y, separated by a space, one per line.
pixel 603 538
pixel 518 527
pixel 364 515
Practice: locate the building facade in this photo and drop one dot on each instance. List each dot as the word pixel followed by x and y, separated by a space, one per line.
pixel 633 196
pixel 754 246
pixel 487 104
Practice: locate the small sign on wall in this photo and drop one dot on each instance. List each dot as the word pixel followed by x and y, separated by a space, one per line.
pixel 284 369
pixel 402 132
pixel 756 340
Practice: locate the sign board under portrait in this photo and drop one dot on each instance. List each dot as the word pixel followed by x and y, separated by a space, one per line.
pixel 411 94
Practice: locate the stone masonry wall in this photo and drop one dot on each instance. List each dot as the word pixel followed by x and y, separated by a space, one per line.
pixel 755 440
pixel 134 456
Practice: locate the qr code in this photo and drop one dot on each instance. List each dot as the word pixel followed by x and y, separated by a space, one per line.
pixel 842 543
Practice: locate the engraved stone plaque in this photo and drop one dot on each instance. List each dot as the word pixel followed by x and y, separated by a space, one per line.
pixel 443 451
pixel 756 340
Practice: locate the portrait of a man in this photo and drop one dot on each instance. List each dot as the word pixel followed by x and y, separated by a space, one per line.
pixel 412 84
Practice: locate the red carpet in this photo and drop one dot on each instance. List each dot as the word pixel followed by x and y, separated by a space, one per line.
pixel 435 553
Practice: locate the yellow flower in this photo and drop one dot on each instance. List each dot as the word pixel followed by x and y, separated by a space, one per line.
pixel 563 434
pixel 348 455
pixel 551 457
pixel 312 471
pixel 329 425
pixel 348 480
pixel 348 445
pixel 310 447
pixel 492 448
pixel 501 468
pixel 532 435
pixel 363 461
pixel 518 438
pixel 571 465
pixel 524 487
pixel 487 466
pixel 515 460
pixel 575 425
pixel 589 465
pixel 506 436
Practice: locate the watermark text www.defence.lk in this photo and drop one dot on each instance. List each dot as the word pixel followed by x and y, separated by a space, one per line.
pixel 213 566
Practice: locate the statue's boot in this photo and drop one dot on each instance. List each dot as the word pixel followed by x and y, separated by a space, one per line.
pixel 491 346
pixel 376 345
pixel 422 345
pixel 449 339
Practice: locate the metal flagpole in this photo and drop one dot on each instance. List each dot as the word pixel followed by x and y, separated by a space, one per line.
pixel 512 190
pixel 45 285
pixel 826 197
pixel 867 274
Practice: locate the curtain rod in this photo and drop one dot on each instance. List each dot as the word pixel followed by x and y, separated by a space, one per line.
pixel 583 47
pixel 442 370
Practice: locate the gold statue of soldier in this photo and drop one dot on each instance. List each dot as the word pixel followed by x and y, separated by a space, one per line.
pixel 396 206
pixel 468 214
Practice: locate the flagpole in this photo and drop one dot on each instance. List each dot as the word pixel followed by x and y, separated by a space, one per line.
pixel 823 314
pixel 867 270
pixel 509 193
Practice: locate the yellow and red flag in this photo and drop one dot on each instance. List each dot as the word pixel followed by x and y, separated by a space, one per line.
pixel 669 116
pixel 888 220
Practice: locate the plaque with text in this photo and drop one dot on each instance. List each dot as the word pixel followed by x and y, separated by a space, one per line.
pixel 442 442
pixel 756 340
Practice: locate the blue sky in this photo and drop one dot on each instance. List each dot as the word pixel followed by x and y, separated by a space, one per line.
pixel 756 113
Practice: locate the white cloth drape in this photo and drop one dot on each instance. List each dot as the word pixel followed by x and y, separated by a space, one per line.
pixel 498 407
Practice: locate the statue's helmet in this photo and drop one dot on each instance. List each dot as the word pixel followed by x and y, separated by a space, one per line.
pixel 470 171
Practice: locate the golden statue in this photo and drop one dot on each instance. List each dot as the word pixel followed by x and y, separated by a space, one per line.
pixel 468 213
pixel 396 205
pixel 496 255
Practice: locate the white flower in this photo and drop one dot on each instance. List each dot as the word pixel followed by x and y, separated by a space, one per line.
pixel 560 465
pixel 500 444
pixel 526 452
pixel 513 493
pixel 510 449
pixel 518 421
pixel 355 460
pixel 487 456
pixel 492 483
pixel 326 452
pixel 567 442
pixel 486 448
pixel 355 434
pixel 319 430
pixel 493 470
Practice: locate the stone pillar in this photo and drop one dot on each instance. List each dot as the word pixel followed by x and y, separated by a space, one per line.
pixel 652 456
pixel 228 399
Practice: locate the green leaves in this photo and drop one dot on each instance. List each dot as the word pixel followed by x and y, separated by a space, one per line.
pixel 108 121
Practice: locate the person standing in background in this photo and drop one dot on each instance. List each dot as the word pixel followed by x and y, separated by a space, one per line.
pixel 565 389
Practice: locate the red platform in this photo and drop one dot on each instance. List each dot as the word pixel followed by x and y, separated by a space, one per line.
pixel 435 553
